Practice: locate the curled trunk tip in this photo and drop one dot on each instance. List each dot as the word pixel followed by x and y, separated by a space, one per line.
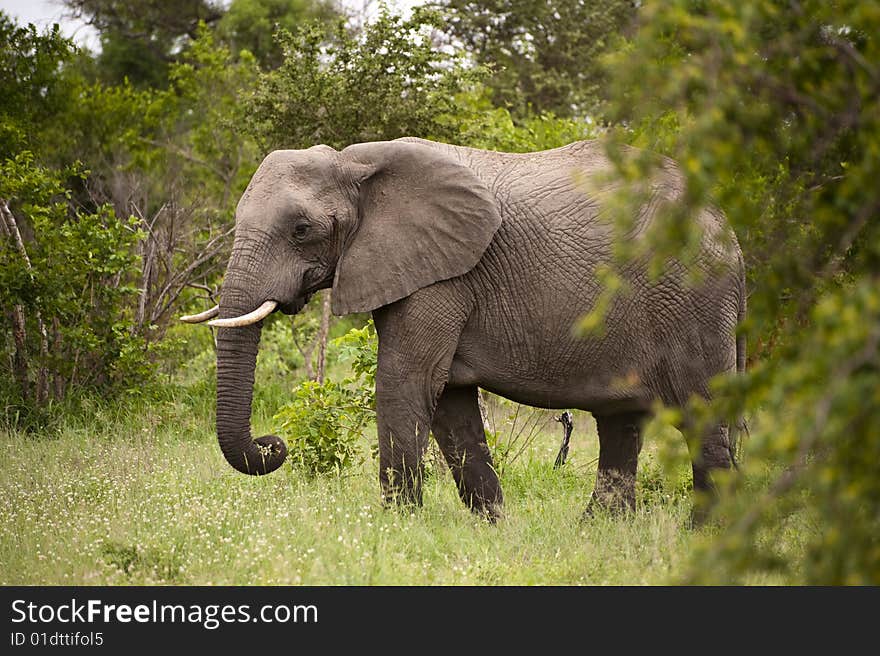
pixel 262 456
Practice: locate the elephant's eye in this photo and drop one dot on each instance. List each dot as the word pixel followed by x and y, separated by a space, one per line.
pixel 300 230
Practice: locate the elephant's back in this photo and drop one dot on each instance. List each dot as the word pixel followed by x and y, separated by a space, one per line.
pixel 494 167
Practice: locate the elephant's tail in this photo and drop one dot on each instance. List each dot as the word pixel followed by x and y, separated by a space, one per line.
pixel 740 428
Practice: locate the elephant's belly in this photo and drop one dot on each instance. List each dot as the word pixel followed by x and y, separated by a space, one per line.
pixel 570 384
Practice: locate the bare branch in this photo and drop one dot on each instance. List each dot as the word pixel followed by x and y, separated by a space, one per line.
pixel 11 230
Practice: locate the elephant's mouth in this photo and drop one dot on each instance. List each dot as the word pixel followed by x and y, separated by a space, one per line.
pixel 294 306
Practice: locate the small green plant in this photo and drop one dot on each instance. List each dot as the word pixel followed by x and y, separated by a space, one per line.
pixel 324 421
pixel 511 435
pixel 360 346
pixel 323 424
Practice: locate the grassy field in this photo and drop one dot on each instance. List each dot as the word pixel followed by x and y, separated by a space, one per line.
pixel 140 494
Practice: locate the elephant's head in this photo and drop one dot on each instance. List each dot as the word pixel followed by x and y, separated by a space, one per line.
pixel 375 221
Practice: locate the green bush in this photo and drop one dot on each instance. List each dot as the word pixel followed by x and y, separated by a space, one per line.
pixel 476 123
pixel 774 113
pixel 513 428
pixel 323 425
pixel 360 346
pixel 325 420
pixel 73 291
pixel 319 94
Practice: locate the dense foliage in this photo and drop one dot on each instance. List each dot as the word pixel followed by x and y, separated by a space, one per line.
pixel 69 319
pixel 252 24
pixel 325 419
pixel 543 54
pixel 33 88
pixel 140 40
pixel 774 111
pixel 385 83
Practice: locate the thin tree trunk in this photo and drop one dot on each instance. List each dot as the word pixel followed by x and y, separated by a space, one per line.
pixel 19 334
pixel 71 381
pixel 56 347
pixel 322 335
pixel 306 352
pixel 484 415
pixel 20 364
pixel 146 277
pixel 43 370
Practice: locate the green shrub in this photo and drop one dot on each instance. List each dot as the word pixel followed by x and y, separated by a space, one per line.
pixel 323 424
pixel 774 113
pixel 318 95
pixel 324 421
pixel 512 429
pixel 74 292
pixel 360 346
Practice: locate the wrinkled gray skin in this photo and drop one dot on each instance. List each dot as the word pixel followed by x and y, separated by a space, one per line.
pixel 476 265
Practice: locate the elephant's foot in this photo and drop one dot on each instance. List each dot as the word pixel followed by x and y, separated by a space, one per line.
pixel 489 508
pixel 705 501
pixel 458 429
pixel 402 488
pixel 400 501
pixel 711 454
pixel 480 489
pixel 490 512
pixel 620 441
pixel 615 508
pixel 699 516
pixel 615 494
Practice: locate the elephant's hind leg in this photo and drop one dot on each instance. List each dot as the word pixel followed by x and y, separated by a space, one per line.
pixel 458 429
pixel 710 451
pixel 620 441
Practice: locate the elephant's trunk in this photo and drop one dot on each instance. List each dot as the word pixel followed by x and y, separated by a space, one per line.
pixel 236 361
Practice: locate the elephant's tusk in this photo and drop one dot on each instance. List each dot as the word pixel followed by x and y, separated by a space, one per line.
pixel 202 316
pixel 246 319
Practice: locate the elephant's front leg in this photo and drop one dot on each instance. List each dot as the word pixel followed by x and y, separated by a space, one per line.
pixel 416 347
pixel 402 423
pixel 458 429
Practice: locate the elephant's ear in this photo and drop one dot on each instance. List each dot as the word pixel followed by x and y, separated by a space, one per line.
pixel 423 217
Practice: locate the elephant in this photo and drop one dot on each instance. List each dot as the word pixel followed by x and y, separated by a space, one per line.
pixel 475 266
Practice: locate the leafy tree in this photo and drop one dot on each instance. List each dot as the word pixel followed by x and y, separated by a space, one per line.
pixel 202 160
pixel 174 158
pixel 318 94
pixel 68 287
pixel 479 124
pixel 33 90
pixel 544 54
pixel 385 83
pixel 144 63
pixel 63 267
pixel 142 20
pixel 87 294
pixel 251 24
pixel 774 111
pixel 207 130
pixel 139 40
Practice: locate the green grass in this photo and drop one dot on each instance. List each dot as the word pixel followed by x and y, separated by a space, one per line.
pixel 142 495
